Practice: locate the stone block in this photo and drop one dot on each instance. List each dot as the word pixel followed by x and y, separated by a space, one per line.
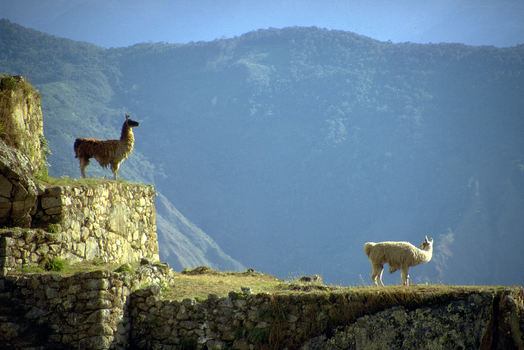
pixel 80 249
pixel 54 211
pixel 92 249
pixel 98 316
pixel 95 342
pixel 19 208
pixel 97 284
pixel 53 191
pixel 51 202
pixel 20 192
pixel 5 187
pixel 42 250
pixel 5 207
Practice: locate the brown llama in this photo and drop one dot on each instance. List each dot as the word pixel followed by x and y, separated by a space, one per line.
pixel 106 152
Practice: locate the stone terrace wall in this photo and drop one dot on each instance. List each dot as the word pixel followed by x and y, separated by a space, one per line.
pixel 109 310
pixel 110 221
pixel 82 311
pixel 302 321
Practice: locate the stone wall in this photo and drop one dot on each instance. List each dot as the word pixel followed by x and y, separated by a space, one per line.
pixel 110 310
pixel 82 311
pixel 322 321
pixel 109 221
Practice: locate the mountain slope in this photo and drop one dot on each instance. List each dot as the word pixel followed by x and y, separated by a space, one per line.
pixel 310 142
pixel 185 245
pixel 293 147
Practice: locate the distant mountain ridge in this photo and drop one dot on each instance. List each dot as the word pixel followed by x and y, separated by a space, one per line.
pixel 293 147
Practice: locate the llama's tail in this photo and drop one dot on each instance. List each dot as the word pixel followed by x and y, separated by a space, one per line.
pixel 367 248
pixel 75 147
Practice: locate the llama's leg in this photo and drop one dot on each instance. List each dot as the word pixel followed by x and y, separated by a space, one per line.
pixel 373 275
pixel 404 275
pixel 83 163
pixel 380 276
pixel 376 274
pixel 114 169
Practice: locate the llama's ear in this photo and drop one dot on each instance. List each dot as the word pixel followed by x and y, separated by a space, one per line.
pixel 127 117
pixel 426 238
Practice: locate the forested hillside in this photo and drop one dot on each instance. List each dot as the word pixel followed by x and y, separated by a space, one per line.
pixel 293 147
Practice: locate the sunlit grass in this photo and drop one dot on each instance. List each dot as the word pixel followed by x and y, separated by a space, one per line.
pixel 201 282
pixel 67 181
pixel 221 283
pixel 200 285
pixel 67 269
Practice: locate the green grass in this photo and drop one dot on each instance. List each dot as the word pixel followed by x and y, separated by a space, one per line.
pixel 56 265
pixel 91 182
pixel 199 285
pixel 8 83
pixel 67 181
pixel 63 267
pixel 125 268
pixel 54 228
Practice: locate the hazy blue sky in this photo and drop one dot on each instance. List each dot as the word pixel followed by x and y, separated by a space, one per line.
pixel 126 22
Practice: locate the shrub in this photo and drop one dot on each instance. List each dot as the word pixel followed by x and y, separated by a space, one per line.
pixel 8 83
pixel 124 268
pixel 55 264
pixel 54 228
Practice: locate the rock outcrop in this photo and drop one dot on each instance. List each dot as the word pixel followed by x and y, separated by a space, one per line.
pixel 21 120
pixel 18 191
pixel 23 150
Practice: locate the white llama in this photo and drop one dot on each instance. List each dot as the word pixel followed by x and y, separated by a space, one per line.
pixel 398 255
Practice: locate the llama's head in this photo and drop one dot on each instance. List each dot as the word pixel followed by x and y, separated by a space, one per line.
pixel 427 244
pixel 131 123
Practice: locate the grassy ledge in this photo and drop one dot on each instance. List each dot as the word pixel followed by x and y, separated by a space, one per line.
pixel 201 282
pixel 88 182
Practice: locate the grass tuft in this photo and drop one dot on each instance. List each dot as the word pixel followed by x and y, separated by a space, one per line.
pixel 125 268
pixel 56 265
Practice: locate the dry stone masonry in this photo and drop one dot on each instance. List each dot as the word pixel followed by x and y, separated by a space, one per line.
pixel 104 220
pixel 326 321
pixel 110 222
pixel 84 311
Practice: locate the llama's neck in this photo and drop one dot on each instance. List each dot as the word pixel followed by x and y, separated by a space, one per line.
pixel 127 138
pixel 427 253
